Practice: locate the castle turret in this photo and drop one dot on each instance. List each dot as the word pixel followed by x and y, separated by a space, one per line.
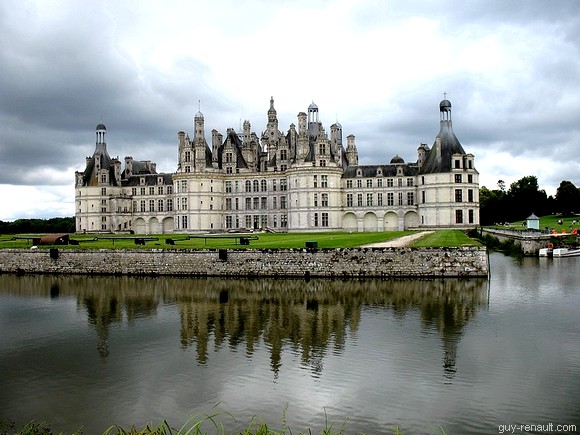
pixel 351 151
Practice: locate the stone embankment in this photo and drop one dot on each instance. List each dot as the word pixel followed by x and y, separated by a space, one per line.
pixel 346 262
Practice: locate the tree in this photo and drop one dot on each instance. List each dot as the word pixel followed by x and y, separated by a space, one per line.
pixel 491 206
pixel 525 198
pixel 567 198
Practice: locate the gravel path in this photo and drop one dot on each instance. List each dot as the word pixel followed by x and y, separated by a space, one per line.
pixel 399 242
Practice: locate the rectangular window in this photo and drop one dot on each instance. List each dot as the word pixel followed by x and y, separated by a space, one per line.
pixel 142 205
pixel 273 185
pixel 228 203
pixel 423 197
pixel 315 219
pixel 151 205
pixel 325 200
pixel 324 219
pixel 248 221
pixel 369 182
pixel 263 186
pixel 316 200
pixel 379 182
pixel 389 182
pixel 228 187
pixel 316 181
pixel 410 198
pixel 142 191
pixel 151 190
pixel 324 181
pixel 248 203
pixel 160 190
pixel 229 222
pixel 470 178
pixel 457 164
pixel 458 216
pixel 400 182
pixel 134 191
pixel 274 202
pixel 359 184
pixel 256 203
pixel 400 198
pixel 458 178
pixel 379 199
pixel 369 199
pixel 284 221
pixel 283 185
pixel 283 202
pixel 264 203
pixel 183 221
pixel 170 204
pixel 184 204
pixel 160 205
pixel 469 195
pixel 237 203
pixel 103 178
pixel 409 182
pixel 183 186
pixel 470 216
pixel 104 191
pixel 359 200
pixel 390 199
pixel 349 184
pixel 458 195
pixel 349 201
pixel 169 190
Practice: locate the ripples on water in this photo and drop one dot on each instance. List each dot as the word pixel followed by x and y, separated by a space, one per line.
pixel 464 354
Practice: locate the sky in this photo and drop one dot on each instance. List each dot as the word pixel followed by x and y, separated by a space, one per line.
pixel 511 69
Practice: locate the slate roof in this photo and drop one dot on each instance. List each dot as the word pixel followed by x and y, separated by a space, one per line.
pixel 369 171
pixel 449 145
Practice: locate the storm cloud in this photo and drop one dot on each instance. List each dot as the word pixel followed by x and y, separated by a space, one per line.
pixel 380 68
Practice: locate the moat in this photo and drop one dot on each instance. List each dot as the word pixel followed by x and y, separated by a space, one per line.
pixel 466 354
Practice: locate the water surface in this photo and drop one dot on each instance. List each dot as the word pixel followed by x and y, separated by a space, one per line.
pixel 468 355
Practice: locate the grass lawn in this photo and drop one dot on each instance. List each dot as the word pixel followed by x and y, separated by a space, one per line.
pixel 265 240
pixel 445 238
pixel 549 221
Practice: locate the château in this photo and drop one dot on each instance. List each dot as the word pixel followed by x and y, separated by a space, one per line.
pixel 303 180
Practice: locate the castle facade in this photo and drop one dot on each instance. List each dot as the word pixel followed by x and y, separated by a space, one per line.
pixel 301 180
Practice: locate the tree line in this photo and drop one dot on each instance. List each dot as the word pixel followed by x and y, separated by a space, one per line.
pixel 29 226
pixel 523 198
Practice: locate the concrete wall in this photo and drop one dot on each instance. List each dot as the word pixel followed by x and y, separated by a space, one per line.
pixel 351 262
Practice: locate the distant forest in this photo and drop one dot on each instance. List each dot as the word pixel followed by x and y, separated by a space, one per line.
pixel 500 205
pixel 39 226
pixel 524 198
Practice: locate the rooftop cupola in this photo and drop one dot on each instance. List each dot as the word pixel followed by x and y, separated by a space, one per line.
pixel 271 111
pixel 101 133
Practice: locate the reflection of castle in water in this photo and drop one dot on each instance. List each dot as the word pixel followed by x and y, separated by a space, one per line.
pixel 307 317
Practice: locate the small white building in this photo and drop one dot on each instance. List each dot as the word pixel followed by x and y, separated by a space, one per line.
pixel 301 180
pixel 533 222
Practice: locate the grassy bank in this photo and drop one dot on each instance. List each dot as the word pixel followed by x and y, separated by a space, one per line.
pixel 232 241
pixel 209 424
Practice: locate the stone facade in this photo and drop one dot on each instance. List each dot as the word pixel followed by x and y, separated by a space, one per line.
pixel 331 263
pixel 304 180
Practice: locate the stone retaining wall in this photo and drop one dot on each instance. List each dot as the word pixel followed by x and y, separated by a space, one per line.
pixel 348 262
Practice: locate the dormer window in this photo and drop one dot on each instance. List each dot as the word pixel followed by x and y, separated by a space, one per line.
pixel 358 173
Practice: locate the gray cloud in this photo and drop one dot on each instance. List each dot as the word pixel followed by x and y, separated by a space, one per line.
pixel 67 67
